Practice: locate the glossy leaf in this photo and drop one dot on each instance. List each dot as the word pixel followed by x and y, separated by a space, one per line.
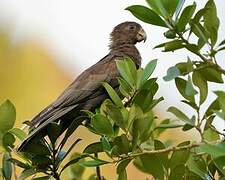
pixel 181 86
pixel 179 8
pixel 7 116
pixel 211 21
pixel 215 151
pixel 102 125
pixel 220 164
pixel 179 157
pixel 94 148
pixel 173 45
pixel 170 6
pixel 93 163
pixel 201 83
pixel 18 133
pixel 198 166
pixel 211 74
pixel 158 7
pixel 125 88
pixel 177 172
pixel 180 115
pixel 27 173
pixel 122 165
pixel 221 99
pixel 148 70
pixel 146 15
pixel 6 166
pixel 113 95
pixel 189 89
pixel 172 73
pixel 185 67
pixel 185 17
pixel 76 170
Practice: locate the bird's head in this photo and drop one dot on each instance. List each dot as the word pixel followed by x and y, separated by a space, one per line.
pixel 127 33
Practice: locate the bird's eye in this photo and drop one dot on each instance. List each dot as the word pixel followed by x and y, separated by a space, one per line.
pixel 132 27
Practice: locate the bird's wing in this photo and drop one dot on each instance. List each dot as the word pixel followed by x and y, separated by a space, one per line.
pixel 84 87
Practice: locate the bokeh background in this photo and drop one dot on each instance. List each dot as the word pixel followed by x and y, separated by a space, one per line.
pixel 45 44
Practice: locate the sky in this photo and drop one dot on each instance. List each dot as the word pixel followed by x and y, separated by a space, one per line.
pixel 77 33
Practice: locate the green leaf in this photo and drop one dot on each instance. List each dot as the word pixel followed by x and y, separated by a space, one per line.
pixel 115 114
pixel 125 88
pixel 127 70
pixel 122 175
pixel 146 15
pixel 76 170
pixel 215 151
pixel 121 145
pixel 201 83
pixel 93 148
pixel 211 74
pixel 158 7
pixel 18 133
pixel 177 172
pixel 185 67
pixel 180 115
pixel 187 127
pixel 106 144
pixel 181 85
pixel 8 140
pixel 113 95
pixel 220 164
pixel 214 106
pixel 170 34
pixel 189 90
pixel 6 166
pixel 170 6
pixel 211 21
pixel 151 164
pixel 179 8
pixel 74 161
pixel 102 125
pixel 93 163
pixel 7 116
pixel 122 165
pixel 143 99
pixel 191 104
pixel 185 17
pixel 27 173
pixel 173 45
pixel 210 135
pixel 172 73
pixel 198 166
pixel 179 157
pixel 221 99
pixel 42 178
pixel 19 163
pixel 148 70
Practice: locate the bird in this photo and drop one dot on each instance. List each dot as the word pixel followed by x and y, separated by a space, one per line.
pixel 86 91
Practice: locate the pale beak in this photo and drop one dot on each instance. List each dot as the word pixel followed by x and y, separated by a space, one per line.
pixel 141 35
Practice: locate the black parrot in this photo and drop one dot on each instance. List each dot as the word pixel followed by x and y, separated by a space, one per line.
pixel 86 92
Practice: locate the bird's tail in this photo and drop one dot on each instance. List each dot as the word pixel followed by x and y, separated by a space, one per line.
pixel 66 115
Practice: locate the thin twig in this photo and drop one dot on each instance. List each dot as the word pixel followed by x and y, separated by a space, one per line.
pixel 98 171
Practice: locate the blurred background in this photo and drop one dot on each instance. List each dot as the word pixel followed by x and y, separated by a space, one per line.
pixel 45 44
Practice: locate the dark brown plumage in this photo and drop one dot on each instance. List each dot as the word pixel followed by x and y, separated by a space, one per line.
pixel 86 91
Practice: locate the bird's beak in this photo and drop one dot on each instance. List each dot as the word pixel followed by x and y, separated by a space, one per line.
pixel 141 35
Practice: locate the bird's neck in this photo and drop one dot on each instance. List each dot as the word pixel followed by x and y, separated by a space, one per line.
pixel 127 50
